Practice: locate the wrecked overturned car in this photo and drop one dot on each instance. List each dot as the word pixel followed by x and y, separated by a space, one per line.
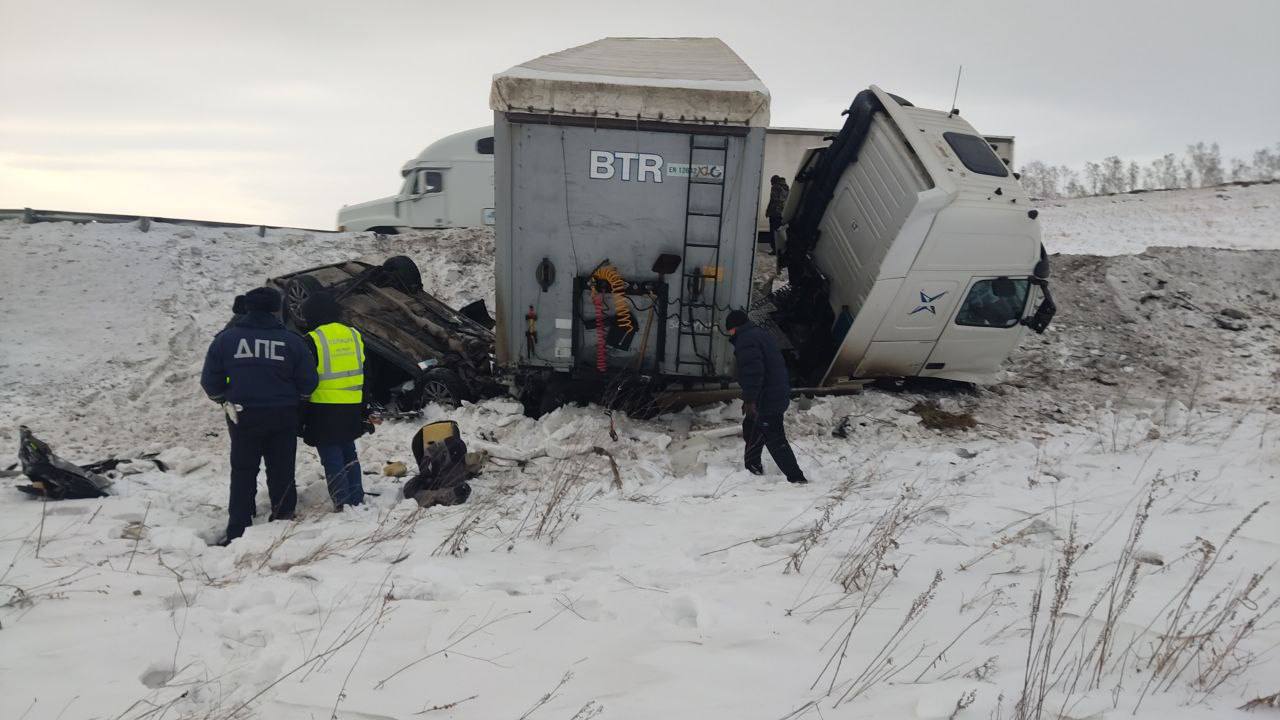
pixel 418 349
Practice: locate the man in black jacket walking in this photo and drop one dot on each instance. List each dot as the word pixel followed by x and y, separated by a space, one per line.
pixel 259 372
pixel 766 393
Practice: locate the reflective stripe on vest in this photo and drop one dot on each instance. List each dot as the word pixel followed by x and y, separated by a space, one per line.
pixel 340 363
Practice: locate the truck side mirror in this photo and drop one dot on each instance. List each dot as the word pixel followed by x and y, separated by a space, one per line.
pixel 1042 265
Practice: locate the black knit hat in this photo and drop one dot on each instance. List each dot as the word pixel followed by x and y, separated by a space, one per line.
pixel 736 319
pixel 263 299
pixel 321 309
pixel 237 305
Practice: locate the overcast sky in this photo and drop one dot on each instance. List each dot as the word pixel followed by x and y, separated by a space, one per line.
pixel 280 112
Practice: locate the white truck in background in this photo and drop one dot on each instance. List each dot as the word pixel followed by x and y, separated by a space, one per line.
pixel 449 184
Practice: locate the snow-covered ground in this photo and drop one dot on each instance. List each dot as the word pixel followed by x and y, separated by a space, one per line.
pixel 654 577
pixel 1242 218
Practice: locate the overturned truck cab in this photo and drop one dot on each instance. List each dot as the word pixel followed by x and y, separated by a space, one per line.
pixel 911 250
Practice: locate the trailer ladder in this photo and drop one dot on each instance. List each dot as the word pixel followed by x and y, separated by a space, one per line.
pixel 697 316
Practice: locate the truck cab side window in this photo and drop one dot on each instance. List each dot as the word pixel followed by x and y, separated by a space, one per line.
pixel 996 303
pixel 976 154
pixel 484 146
pixel 430 181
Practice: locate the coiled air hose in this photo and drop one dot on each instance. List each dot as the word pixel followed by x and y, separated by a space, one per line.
pixel 621 309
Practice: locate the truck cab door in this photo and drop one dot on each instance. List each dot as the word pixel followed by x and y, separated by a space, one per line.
pixel 985 328
pixel 909 324
pixel 426 205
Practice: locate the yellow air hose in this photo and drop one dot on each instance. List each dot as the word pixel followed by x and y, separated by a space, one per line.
pixel 621 309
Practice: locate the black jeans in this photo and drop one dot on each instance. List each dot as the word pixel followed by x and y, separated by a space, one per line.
pixel 263 434
pixel 766 431
pixel 774 224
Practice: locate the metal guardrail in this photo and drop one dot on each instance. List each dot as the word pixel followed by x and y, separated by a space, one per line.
pixel 30 215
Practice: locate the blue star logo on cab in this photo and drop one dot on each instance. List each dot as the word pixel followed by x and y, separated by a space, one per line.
pixel 926 303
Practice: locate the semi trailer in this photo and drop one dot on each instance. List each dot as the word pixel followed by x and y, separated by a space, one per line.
pixel 627 175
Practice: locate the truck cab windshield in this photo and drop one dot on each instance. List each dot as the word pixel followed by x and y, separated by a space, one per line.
pixel 996 303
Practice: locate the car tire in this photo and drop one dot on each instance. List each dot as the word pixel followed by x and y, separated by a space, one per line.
pixel 442 386
pixel 297 291
pixel 405 271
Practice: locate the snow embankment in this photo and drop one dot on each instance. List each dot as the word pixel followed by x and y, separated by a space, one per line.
pixel 1128 456
pixel 105 326
pixel 1241 218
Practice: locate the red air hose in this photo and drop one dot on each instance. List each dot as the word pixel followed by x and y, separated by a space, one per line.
pixel 600 358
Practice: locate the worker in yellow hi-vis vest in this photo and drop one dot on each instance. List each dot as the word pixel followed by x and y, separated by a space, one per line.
pixel 336 412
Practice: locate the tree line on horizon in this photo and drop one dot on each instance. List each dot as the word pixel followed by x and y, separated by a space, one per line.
pixel 1201 166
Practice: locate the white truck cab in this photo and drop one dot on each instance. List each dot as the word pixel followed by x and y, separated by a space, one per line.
pixel 449 184
pixel 911 248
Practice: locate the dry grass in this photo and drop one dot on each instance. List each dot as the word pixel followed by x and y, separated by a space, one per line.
pixel 483 625
pixel 935 418
pixel 550 695
pixel 1271 701
pixel 882 666
pixel 1208 638
pixel 828 521
pixel 1036 680
pixel 1198 646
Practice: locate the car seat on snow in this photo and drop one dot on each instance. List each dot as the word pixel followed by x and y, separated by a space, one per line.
pixel 442 466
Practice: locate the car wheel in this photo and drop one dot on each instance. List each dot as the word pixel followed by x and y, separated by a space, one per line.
pixel 443 387
pixel 298 291
pixel 405 271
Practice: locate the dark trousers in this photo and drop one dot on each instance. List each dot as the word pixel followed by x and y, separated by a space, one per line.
pixel 766 431
pixel 774 224
pixel 267 435
pixel 342 472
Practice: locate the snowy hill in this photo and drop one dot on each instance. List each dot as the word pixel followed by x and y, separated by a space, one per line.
pixel 655 577
pixel 1241 218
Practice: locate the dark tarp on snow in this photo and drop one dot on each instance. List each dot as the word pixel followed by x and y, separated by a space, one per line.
pixel 51 476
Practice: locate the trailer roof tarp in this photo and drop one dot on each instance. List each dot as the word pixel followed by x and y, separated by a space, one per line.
pixel 693 80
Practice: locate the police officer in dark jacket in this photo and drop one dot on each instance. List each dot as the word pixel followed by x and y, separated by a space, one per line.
pixel 766 393
pixel 260 372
